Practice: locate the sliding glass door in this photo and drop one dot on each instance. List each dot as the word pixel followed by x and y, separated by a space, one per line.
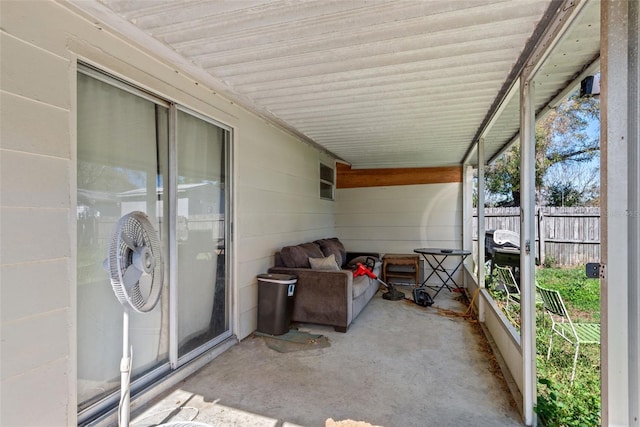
pixel 137 152
pixel 202 313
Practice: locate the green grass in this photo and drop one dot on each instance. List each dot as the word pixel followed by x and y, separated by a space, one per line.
pixel 581 295
pixel 560 403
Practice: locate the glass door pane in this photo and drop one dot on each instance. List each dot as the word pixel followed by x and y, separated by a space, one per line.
pixel 201 277
pixel 122 161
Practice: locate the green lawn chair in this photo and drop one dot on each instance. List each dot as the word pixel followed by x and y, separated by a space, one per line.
pixel 505 282
pixel 561 324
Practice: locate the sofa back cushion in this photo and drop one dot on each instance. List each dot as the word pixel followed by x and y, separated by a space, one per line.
pixel 333 247
pixel 298 256
pixel 312 249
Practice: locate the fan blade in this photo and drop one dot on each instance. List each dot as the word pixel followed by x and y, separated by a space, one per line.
pixel 131 276
pixel 144 283
pixel 126 238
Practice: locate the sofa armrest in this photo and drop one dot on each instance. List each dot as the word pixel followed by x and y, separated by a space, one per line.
pixel 322 297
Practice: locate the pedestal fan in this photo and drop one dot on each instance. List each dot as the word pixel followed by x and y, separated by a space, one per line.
pixel 135 266
pixel 136 269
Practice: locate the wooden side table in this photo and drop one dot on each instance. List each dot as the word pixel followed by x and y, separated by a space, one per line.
pixel 401 266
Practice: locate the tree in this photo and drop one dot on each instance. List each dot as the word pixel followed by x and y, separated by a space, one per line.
pixel 579 179
pixel 101 177
pixel 566 136
pixel 563 194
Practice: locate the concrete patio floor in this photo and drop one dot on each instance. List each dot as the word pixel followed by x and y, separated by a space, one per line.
pixel 398 365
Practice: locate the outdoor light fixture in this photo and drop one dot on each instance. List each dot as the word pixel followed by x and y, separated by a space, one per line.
pixel 590 86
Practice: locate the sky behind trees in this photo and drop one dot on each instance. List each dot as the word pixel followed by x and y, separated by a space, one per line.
pixel 567 159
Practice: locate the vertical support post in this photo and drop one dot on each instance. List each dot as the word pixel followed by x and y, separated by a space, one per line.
pixel 481 227
pixel 633 180
pixel 467 209
pixel 527 248
pixel 541 235
pixel 620 240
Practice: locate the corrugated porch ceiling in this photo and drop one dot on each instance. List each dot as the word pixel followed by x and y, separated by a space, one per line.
pixel 377 83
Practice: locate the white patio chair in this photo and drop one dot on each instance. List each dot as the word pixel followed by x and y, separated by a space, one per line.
pixel 561 324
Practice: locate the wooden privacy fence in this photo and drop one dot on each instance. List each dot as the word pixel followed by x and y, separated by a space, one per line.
pixel 564 236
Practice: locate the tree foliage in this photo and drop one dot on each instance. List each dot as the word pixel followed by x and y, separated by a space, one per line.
pixel 100 177
pixel 563 137
pixel 563 194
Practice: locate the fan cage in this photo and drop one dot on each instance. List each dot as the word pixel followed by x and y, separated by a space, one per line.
pixel 134 230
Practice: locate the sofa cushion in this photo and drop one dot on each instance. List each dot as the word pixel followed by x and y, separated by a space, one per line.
pixel 313 250
pixel 327 263
pixel 294 257
pixel 343 250
pixel 335 247
pixel 360 285
pixel 298 256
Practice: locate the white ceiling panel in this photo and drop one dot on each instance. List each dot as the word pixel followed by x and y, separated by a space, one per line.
pixel 377 83
pixel 576 53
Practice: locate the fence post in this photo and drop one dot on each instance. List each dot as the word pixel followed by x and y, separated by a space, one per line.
pixel 541 226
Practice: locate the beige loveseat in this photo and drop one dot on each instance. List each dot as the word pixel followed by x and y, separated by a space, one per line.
pixel 327 295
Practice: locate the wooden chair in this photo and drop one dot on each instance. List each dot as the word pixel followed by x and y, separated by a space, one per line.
pixel 561 324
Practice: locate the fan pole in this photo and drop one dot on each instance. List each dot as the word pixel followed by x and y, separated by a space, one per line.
pixel 125 372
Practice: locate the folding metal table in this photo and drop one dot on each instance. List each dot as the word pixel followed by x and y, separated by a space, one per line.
pixel 435 257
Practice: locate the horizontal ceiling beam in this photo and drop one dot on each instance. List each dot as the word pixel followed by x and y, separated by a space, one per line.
pixel 357 178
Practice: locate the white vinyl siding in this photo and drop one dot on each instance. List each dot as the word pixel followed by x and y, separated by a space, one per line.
pixel 399 219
